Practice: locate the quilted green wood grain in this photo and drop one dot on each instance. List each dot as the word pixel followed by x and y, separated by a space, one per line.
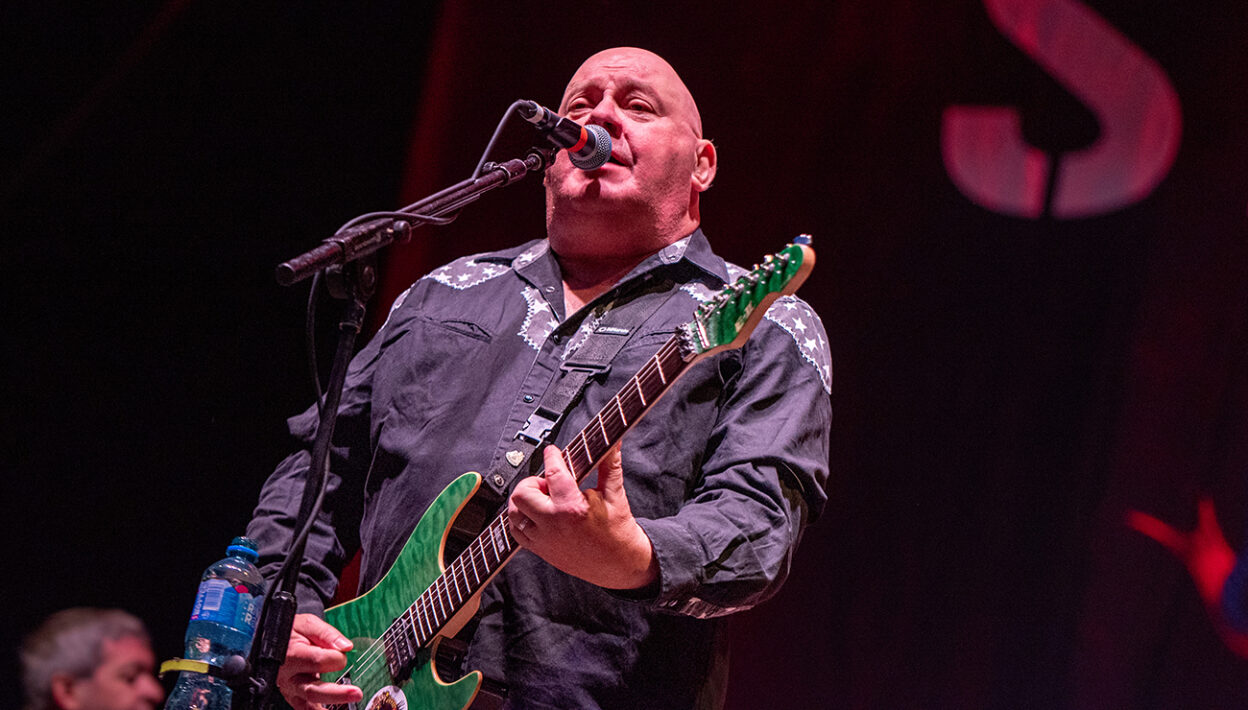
pixel 365 618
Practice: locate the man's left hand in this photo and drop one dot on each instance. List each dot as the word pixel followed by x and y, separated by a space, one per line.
pixel 588 534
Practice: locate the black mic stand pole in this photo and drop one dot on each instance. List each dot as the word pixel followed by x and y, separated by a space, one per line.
pixel 349 254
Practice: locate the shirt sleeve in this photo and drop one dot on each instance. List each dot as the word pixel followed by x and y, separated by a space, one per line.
pixel 730 545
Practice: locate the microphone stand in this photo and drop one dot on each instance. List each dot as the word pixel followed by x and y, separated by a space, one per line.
pixel 348 257
pixel 356 240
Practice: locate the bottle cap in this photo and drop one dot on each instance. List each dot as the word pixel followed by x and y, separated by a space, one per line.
pixel 244 547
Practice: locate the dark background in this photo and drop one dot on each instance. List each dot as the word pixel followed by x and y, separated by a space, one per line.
pixel 1005 389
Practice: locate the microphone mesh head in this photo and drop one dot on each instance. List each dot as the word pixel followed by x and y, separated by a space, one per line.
pixel 597 150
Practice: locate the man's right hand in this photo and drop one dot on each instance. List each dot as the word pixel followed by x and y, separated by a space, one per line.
pixel 315 648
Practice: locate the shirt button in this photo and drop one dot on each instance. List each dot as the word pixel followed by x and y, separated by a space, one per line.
pixel 528 398
pixel 549 289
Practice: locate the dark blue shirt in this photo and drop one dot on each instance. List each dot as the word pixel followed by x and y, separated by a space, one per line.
pixel 722 474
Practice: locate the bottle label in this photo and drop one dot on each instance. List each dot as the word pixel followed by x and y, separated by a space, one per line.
pixel 216 601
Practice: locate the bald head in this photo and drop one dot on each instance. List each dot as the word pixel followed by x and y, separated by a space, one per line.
pixel 645 66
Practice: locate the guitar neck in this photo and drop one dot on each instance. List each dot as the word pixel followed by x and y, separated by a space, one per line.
pixel 494 547
pixel 625 409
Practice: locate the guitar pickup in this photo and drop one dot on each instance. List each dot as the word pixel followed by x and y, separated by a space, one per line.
pixel 401 651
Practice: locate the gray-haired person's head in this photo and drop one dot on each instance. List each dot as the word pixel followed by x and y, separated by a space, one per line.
pixel 71 642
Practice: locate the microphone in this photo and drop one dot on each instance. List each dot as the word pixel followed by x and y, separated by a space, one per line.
pixel 589 147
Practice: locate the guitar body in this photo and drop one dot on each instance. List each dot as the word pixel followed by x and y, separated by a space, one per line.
pixel 364 619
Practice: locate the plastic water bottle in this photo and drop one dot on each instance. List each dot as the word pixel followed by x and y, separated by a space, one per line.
pixel 222 625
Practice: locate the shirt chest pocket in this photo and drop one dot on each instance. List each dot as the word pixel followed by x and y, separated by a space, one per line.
pixel 432 367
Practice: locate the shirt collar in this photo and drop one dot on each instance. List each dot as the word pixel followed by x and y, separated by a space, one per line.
pixel 535 262
pixel 696 249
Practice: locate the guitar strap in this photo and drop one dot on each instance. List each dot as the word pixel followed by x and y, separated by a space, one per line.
pixel 593 357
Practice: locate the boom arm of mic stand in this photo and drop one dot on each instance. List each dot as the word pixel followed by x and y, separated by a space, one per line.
pixel 360 240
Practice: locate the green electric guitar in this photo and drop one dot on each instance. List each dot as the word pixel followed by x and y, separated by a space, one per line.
pixel 396 638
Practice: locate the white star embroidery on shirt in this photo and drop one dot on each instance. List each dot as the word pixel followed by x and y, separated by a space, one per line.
pixel 539 322
pixel 465 273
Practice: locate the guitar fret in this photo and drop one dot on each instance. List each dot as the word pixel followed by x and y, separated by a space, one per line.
pixel 483 572
pixel 455 581
pixel 448 601
pixel 613 424
pixel 431 612
pixel 574 456
pixel 496 537
pixel 422 616
pixel 673 361
pixel 476 573
pixel 467 568
pixel 593 446
pixel 578 457
pixel 413 626
pixel 659 365
pixel 619 407
pixel 438 598
pixel 635 402
pixel 485 557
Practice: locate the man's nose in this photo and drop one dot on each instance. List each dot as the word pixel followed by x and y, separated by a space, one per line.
pixel 607 115
pixel 153 690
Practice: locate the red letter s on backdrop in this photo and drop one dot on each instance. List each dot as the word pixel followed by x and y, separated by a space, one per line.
pixel 1134 103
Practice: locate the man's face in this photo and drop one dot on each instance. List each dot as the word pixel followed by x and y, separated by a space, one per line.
pixel 655 137
pixel 122 681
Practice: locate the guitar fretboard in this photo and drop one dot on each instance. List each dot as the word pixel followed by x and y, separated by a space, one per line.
pixel 485 555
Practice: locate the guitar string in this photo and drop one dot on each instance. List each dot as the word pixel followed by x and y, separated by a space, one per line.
pixel 371 660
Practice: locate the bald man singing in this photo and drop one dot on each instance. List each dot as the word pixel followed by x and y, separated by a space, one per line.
pixel 618 596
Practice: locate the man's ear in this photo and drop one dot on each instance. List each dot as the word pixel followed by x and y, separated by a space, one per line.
pixel 65 692
pixel 704 168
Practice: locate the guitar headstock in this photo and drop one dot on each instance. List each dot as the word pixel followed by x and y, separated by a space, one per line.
pixel 727 319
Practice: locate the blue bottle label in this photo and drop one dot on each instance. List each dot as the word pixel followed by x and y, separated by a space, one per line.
pixel 216 601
